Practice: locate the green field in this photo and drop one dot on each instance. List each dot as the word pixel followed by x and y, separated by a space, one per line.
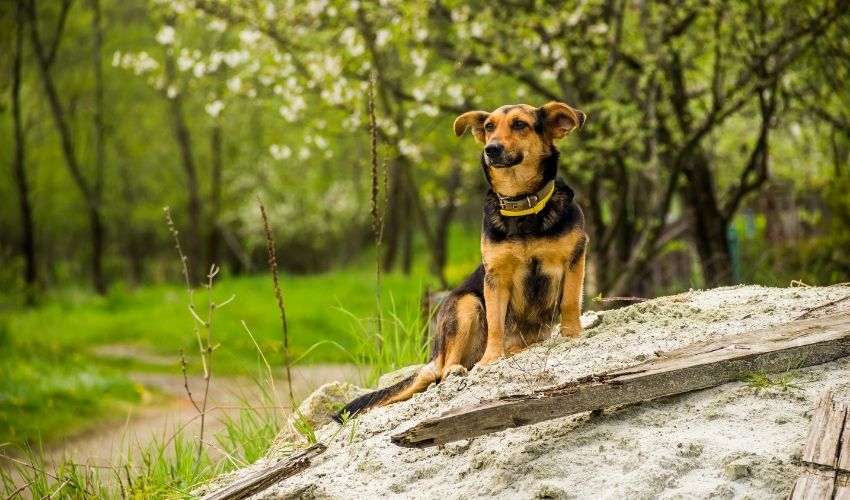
pixel 52 381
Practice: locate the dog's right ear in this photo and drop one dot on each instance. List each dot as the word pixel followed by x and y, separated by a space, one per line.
pixel 473 119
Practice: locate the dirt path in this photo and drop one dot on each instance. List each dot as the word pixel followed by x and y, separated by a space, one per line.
pixel 144 425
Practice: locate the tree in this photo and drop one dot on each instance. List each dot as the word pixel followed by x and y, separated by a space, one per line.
pixel 19 162
pixel 91 190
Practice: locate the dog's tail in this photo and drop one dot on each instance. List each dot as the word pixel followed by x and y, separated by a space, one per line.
pixel 400 391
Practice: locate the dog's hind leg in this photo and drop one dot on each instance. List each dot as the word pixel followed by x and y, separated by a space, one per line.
pixel 464 346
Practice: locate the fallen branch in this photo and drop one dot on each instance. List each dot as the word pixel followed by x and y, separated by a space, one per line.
pixel 769 350
pixel 267 476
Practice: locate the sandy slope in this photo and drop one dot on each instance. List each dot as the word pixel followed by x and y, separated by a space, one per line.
pixel 732 441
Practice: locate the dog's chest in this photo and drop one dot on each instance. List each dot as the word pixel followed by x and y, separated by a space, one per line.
pixel 532 270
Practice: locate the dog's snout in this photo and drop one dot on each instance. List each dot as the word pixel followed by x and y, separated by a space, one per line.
pixel 492 149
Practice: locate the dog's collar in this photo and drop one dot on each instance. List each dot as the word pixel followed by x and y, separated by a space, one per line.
pixel 526 205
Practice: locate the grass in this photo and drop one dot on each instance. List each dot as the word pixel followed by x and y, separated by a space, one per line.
pixel 761 379
pixel 53 385
pixel 169 467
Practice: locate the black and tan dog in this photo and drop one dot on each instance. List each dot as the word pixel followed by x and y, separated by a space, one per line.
pixel 532 247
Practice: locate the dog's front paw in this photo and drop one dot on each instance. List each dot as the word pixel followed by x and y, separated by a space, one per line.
pixel 456 371
pixel 571 331
pixel 489 358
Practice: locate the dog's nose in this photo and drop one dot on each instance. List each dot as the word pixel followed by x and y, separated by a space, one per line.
pixel 492 150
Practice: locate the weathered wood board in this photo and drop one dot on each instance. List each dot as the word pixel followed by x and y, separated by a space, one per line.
pixel 776 349
pixel 824 439
pixel 268 476
pixel 814 484
pixel 822 478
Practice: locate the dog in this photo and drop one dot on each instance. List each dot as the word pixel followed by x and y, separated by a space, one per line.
pixel 533 247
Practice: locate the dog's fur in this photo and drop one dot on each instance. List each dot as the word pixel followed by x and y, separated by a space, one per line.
pixel 532 270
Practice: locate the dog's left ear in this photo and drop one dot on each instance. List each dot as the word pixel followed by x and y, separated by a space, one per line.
pixel 474 120
pixel 561 119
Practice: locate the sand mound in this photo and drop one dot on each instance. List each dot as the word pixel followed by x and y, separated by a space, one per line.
pixel 731 441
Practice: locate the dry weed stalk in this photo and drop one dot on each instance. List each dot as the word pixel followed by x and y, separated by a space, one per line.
pixel 376 214
pixel 277 293
pixel 205 346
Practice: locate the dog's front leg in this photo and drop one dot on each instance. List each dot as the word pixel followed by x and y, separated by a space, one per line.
pixel 571 295
pixel 496 294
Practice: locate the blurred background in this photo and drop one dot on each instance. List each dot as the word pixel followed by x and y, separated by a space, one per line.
pixel 716 152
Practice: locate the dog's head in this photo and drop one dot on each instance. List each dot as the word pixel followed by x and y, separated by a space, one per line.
pixel 519 137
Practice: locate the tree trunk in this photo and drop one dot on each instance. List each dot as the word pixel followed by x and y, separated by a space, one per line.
pixel 184 142
pixel 213 243
pixel 708 226
pixel 444 217
pixel 90 195
pixel 21 180
pixel 95 216
pixel 394 219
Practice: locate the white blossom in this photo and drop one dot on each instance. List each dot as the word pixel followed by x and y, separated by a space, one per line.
pixel 165 35
pixel 217 25
pixel 249 37
pixel 280 152
pixel 483 70
pixel 234 84
pixel 419 58
pixel 476 29
pixel 455 92
pixel 598 29
pixel 382 37
pixel 304 153
pixel 409 149
pixel 214 108
pixel 429 110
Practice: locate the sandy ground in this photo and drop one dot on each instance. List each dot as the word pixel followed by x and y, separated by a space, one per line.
pixel 732 441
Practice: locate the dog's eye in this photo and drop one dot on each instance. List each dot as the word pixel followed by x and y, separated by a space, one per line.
pixel 489 127
pixel 518 125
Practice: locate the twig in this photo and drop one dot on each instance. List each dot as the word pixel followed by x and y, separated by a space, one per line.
pixel 810 310
pixel 277 293
pixel 620 299
pixel 206 352
pixel 205 349
pixel 27 464
pixel 18 491
pixel 186 381
pixel 57 490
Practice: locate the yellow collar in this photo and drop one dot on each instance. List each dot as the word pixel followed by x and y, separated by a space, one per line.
pixel 526 205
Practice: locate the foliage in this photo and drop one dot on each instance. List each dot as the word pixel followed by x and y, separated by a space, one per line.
pixel 169 467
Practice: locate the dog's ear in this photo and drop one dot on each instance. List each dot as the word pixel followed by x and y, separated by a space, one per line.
pixel 561 119
pixel 473 119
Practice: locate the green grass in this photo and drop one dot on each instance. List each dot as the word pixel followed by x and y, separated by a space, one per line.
pixel 761 379
pixel 170 467
pixel 53 385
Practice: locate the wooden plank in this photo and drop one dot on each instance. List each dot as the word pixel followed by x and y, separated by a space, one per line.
pixel 814 484
pixel 842 487
pixel 263 478
pixel 824 438
pixel 844 452
pixel 775 349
